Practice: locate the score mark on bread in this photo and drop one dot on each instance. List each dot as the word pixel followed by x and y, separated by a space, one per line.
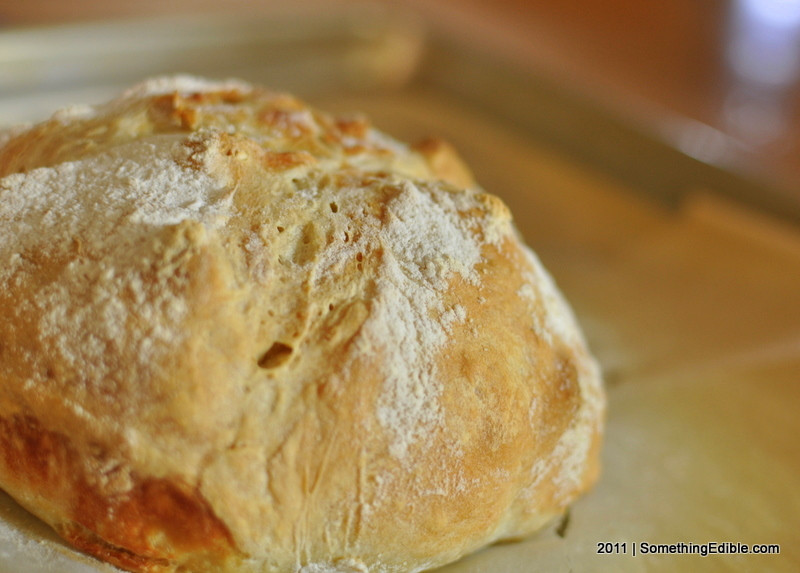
pixel 243 335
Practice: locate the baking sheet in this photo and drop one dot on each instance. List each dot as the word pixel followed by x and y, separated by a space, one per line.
pixel 690 301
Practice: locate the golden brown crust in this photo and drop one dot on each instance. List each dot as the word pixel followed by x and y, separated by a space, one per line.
pixel 259 338
pixel 445 162
pixel 142 529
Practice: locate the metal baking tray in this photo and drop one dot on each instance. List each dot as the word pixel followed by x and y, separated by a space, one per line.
pixel 685 276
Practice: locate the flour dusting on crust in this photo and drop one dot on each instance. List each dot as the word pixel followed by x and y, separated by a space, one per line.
pixel 250 335
pixel 424 244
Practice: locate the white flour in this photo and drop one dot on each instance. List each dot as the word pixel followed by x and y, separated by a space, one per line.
pixel 424 244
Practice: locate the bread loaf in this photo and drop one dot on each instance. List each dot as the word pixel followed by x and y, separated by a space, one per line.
pixel 240 334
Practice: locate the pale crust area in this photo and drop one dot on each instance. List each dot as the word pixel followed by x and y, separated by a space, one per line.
pixel 243 335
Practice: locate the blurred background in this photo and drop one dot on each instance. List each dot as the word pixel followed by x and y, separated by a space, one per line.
pixel 717 79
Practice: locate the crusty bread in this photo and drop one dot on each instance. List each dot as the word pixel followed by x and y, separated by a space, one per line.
pixel 242 335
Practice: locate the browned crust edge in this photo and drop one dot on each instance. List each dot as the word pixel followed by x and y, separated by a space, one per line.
pixel 157 525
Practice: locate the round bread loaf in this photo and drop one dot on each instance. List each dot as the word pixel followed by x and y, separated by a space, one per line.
pixel 240 334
